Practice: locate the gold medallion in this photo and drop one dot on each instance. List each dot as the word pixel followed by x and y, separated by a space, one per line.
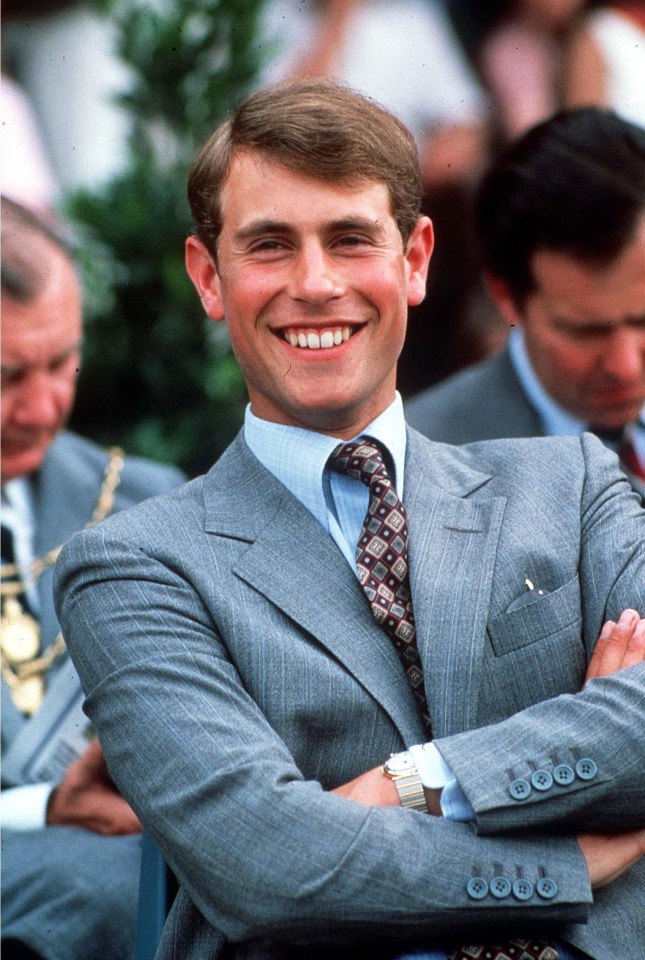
pixel 19 632
pixel 28 693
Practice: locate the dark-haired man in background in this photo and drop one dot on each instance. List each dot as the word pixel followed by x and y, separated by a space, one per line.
pixel 561 223
pixel 70 849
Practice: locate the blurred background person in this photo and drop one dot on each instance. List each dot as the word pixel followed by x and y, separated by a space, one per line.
pixel 61 53
pixel 70 845
pixel 606 62
pixel 522 61
pixel 27 175
pixel 561 224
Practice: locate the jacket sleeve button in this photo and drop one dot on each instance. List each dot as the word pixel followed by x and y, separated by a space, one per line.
pixel 563 774
pixel 586 769
pixel 546 888
pixel 477 888
pixel 500 887
pixel 523 889
pixel 542 780
pixel 519 789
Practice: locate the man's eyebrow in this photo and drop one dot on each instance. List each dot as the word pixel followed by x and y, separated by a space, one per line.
pixel 600 323
pixel 259 228
pixel 265 226
pixel 9 368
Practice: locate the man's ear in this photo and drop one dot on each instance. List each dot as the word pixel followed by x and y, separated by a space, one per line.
pixel 203 272
pixel 417 258
pixel 503 299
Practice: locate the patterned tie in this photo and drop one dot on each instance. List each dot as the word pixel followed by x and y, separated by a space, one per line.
pixel 513 950
pixel 382 557
pixel 382 564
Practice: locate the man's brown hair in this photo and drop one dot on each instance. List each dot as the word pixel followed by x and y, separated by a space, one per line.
pixel 318 128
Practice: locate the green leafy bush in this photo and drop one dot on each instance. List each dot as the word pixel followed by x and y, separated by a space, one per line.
pixel 158 376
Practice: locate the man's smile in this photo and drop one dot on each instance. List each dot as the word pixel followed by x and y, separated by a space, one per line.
pixel 318 339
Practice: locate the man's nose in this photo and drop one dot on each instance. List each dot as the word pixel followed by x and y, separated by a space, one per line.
pixel 39 402
pixel 624 357
pixel 315 277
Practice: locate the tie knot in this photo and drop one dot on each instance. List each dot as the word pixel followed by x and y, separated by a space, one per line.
pixel 362 460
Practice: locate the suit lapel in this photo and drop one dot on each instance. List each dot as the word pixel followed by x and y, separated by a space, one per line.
pixel 297 566
pixel 453 542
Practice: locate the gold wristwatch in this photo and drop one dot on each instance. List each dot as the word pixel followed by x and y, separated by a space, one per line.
pixel 401 768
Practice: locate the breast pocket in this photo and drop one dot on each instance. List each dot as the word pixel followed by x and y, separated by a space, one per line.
pixel 550 616
pixel 535 653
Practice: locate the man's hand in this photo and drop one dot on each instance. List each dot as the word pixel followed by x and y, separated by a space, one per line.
pixel 86 797
pixel 620 645
pixel 609 855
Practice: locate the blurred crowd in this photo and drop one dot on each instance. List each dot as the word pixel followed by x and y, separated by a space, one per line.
pixel 465 77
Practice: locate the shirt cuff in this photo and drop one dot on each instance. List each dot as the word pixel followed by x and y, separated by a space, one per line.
pixel 25 808
pixel 435 774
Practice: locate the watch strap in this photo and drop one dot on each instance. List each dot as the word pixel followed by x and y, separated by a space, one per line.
pixel 411 792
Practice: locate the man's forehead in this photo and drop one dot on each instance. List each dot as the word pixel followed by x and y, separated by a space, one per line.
pixel 258 166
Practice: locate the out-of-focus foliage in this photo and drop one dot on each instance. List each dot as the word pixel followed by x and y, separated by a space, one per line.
pixel 157 375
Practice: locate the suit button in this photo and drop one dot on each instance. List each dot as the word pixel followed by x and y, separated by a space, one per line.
pixel 519 789
pixel 523 889
pixel 500 887
pixel 586 769
pixel 542 780
pixel 546 888
pixel 477 888
pixel 563 774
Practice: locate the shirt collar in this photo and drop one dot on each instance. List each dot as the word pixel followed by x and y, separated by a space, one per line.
pixel 557 421
pixel 297 457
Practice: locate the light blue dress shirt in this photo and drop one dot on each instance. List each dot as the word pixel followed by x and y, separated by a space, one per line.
pixel 298 458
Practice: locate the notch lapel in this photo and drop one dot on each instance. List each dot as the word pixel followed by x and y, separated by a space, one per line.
pixel 454 534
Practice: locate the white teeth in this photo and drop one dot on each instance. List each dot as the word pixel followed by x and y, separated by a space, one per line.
pixel 316 341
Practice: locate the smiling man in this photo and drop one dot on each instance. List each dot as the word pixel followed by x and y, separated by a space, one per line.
pixel 561 223
pixel 338 589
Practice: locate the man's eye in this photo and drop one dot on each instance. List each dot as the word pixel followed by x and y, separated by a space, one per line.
pixel 352 240
pixel 267 246
pixel 10 377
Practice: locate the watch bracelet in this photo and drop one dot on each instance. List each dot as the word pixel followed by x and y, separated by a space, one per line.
pixel 411 792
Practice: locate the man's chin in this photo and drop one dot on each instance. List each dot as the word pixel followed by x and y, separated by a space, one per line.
pixel 616 419
pixel 18 463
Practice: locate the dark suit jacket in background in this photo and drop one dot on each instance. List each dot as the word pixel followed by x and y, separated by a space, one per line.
pixel 235 674
pixel 483 402
pixel 67 892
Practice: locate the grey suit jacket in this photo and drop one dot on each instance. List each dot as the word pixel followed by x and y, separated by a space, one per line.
pixel 483 402
pixel 235 674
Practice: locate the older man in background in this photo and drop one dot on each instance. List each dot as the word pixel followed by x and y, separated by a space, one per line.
pixel 70 842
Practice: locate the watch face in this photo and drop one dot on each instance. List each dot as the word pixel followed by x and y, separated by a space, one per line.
pixel 399 764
